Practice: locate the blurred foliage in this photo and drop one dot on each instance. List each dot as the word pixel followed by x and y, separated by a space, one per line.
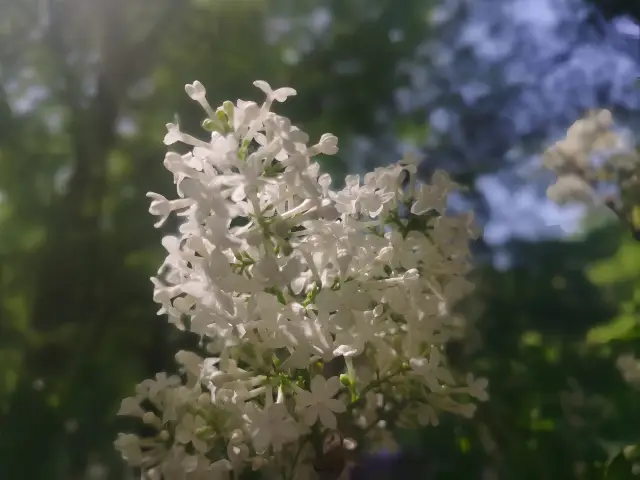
pixel 86 87
pixel 558 408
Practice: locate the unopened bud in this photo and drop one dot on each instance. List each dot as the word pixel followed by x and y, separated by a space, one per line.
pixel 228 108
pixel 196 90
pixel 221 115
pixel 149 418
pixel 211 125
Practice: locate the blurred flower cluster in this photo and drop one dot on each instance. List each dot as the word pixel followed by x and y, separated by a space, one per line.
pixel 596 164
pixel 322 314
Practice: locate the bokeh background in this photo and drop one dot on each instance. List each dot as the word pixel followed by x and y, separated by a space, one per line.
pixel 477 87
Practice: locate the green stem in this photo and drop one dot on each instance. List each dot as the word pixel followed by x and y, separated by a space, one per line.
pixel 376 384
pixel 296 458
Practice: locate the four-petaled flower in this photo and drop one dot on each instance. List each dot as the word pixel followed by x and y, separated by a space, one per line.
pixel 319 402
pixel 271 426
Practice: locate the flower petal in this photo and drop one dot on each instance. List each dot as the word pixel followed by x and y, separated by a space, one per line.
pixel 332 387
pixel 318 385
pixel 327 418
pixel 281 94
pixel 304 399
pixel 310 416
pixel 335 405
pixel 264 86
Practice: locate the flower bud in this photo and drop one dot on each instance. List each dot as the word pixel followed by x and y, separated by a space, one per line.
pixel 228 108
pixel 173 134
pixel 150 418
pixel 196 91
pixel 213 125
pixel 328 144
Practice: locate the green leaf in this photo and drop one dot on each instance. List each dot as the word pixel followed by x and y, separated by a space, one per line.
pixel 635 217
pixel 623 327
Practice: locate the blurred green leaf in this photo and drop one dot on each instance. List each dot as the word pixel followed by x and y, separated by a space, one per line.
pixel 624 327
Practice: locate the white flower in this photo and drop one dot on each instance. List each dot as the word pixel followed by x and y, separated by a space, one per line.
pixel 245 113
pixel 187 431
pixel 130 407
pixel 319 402
pixel 570 188
pixel 368 328
pixel 432 373
pixel 154 389
pixel 271 427
pixel 554 159
pixel 196 91
pixel 427 415
pixel 275 271
pixel 129 447
pixel 173 134
pixel 162 207
pixel 237 451
pixel 428 198
pixel 434 196
pixel 593 155
pixel 328 144
pixel 477 387
pixel 279 95
pixel 467 410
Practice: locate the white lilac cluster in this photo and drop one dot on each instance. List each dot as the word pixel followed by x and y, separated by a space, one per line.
pixel 594 163
pixel 593 155
pixel 323 314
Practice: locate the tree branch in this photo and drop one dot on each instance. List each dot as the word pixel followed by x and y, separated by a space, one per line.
pixel 624 215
